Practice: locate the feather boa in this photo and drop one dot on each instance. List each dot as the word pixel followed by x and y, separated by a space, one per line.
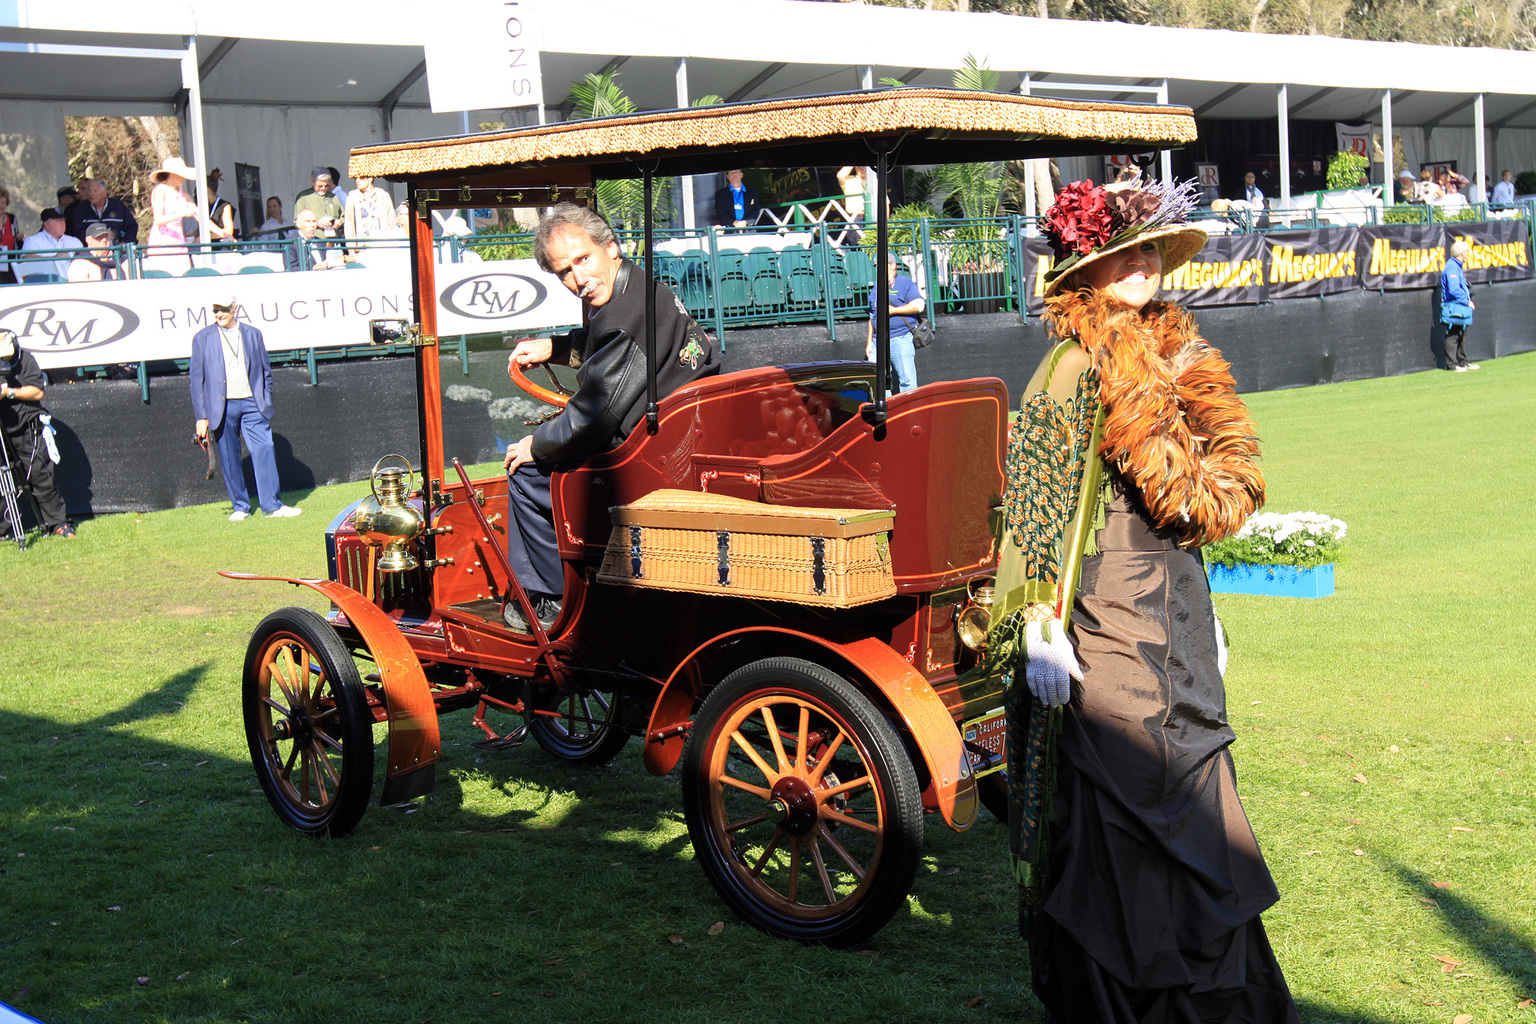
pixel 1173 422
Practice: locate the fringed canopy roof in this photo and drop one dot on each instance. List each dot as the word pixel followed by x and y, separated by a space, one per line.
pixel 917 125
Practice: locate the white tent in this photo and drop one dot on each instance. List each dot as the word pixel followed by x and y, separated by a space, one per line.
pixel 284 85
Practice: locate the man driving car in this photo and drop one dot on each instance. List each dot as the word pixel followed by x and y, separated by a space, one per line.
pixel 579 248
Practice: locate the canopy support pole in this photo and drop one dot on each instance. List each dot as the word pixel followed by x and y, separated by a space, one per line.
pixel 1479 190
pixel 686 179
pixel 1167 154
pixel 1283 103
pixel 1031 210
pixel 875 412
pixel 1388 152
pixel 650 308
pixel 192 81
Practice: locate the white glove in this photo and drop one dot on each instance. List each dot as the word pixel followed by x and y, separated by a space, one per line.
pixel 1221 646
pixel 1052 663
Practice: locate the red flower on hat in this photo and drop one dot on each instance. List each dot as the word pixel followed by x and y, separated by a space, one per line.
pixel 1080 220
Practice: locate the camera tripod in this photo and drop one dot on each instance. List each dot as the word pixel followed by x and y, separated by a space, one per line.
pixel 10 492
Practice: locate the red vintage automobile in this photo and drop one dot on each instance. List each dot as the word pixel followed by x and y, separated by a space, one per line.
pixel 780 580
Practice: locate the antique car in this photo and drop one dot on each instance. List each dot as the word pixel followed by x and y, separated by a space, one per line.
pixel 779 580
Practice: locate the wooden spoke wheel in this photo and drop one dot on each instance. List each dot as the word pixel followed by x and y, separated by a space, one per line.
pixel 587 730
pixel 801 802
pixel 308 723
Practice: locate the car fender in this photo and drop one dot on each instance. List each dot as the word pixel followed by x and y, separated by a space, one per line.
pixel 414 743
pixel 935 731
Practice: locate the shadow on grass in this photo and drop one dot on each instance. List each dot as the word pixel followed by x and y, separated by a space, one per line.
pixel 590 858
pixel 1499 943
pixel 167 699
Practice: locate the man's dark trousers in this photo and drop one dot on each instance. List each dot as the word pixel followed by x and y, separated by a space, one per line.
pixel 242 417
pixel 533 550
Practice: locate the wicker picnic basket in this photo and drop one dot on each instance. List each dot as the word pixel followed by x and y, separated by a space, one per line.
pixel 714 544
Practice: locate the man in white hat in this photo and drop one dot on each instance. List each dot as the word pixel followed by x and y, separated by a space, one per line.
pixel 232 397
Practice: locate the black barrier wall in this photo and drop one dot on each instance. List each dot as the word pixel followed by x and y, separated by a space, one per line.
pixel 121 454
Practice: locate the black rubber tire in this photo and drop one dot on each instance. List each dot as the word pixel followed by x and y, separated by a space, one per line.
pixel 755 862
pixel 578 740
pixel 312 744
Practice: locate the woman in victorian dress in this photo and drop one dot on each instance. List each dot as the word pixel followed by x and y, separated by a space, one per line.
pixel 1142 881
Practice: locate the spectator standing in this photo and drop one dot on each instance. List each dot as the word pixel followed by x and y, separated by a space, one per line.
pixel 309 249
pixel 1504 191
pixel 96 207
pixel 1456 308
pixel 1406 192
pixel 172 208
pixel 369 213
pixel 328 211
pixel 67 198
pixel 221 212
pixel 231 377
pixel 736 205
pixel 854 181
pixel 906 304
pixel 10 237
pixel 340 193
pixel 1429 191
pixel 51 239
pixel 28 428
pixel 101 264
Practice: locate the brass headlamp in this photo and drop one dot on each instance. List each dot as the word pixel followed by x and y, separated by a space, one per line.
pixel 976 617
pixel 388 519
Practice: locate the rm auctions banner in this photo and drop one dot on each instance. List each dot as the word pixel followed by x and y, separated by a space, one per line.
pixel 1228 271
pixel 1500 249
pixel 1303 263
pixel 1401 256
pixel 131 321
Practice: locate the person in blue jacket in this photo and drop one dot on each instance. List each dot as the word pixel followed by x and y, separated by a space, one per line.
pixel 907 305
pixel 1456 308
pixel 231 378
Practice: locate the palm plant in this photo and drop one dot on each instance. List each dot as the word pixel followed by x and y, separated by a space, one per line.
pixel 621 201
pixel 976 188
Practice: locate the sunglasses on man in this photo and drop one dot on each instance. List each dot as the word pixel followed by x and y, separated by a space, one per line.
pixel 223 309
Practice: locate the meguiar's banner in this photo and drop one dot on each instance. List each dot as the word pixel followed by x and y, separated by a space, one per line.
pixel 1399 256
pixel 1228 271
pixel 1037 260
pixel 1500 249
pixel 1303 263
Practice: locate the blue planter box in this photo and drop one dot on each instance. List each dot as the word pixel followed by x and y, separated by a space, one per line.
pixel 1272 580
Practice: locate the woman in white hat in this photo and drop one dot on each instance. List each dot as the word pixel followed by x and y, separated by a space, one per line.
pixel 169 204
pixel 1143 883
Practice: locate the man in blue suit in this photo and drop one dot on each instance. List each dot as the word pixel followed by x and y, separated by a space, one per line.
pixel 232 396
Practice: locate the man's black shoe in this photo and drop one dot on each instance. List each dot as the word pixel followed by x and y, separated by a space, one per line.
pixel 547 608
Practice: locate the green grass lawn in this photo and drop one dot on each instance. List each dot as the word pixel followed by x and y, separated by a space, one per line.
pixel 1385 754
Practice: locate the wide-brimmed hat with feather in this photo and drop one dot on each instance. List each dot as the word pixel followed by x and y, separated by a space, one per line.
pixel 1088 222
